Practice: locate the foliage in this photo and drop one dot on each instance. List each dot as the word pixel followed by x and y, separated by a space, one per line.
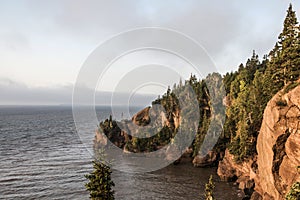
pixel 255 83
pixel 209 189
pixel 248 90
pixel 169 101
pixel 294 193
pixel 290 87
pixel 244 115
pixel 284 64
pixel 100 183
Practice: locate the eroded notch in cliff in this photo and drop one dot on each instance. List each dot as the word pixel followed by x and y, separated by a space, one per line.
pixel 279 153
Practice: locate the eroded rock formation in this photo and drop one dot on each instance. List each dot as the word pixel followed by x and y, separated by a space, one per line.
pixel 276 167
pixel 278 146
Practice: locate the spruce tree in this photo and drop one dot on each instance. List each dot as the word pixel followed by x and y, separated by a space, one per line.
pixel 295 71
pixel 252 65
pixel 284 64
pixel 287 40
pixel 244 114
pixel 100 183
pixel 209 189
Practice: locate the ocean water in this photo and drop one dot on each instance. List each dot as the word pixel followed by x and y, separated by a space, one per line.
pixel 43 157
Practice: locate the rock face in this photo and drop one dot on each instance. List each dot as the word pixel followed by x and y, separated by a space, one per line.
pixel 276 167
pixel 243 173
pixel 207 160
pixel 278 146
pixel 142 118
pixel 122 132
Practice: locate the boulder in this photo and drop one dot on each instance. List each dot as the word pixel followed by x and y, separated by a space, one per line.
pixel 208 160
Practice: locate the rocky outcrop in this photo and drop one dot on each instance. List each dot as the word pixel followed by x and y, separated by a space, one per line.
pixel 204 161
pixel 124 132
pixel 276 167
pixel 278 146
pixel 142 118
pixel 155 115
pixel 243 173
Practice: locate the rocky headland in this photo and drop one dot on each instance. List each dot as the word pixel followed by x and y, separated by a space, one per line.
pixel 275 168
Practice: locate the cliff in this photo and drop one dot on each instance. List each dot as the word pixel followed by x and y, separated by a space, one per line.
pixel 276 166
pixel 242 173
pixel 278 145
pixel 267 175
pixel 123 134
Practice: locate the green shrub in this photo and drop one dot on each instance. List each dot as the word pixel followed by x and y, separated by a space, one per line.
pixel 290 87
pixel 294 193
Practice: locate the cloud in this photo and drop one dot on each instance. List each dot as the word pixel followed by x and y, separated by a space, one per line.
pixel 14 93
pixel 17 93
pixel 45 42
pixel 213 25
pixel 217 25
pixel 14 41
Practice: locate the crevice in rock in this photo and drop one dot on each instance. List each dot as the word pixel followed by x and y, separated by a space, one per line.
pixel 279 153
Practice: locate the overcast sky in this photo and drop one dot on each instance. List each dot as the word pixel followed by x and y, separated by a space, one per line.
pixel 43 44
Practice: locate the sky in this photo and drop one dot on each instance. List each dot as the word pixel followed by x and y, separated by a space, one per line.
pixel 44 44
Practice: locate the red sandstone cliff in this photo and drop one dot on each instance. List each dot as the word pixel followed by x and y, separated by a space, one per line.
pixel 278 147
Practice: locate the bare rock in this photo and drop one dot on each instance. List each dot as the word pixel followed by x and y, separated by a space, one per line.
pixel 207 160
pixel 142 118
pixel 256 196
pixel 100 138
pixel 242 173
pixel 278 146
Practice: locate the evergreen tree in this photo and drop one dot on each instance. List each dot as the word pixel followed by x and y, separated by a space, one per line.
pixel 258 101
pixel 255 84
pixel 203 128
pixel 295 72
pixel 244 114
pixel 252 65
pixel 100 183
pixel 209 189
pixel 287 40
pixel 284 64
pixel 227 80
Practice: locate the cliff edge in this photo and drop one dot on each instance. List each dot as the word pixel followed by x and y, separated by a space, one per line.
pixel 276 167
pixel 278 145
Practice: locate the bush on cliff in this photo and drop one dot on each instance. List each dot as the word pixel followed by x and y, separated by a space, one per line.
pixel 294 193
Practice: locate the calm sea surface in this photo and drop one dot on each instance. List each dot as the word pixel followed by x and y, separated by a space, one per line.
pixel 42 157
